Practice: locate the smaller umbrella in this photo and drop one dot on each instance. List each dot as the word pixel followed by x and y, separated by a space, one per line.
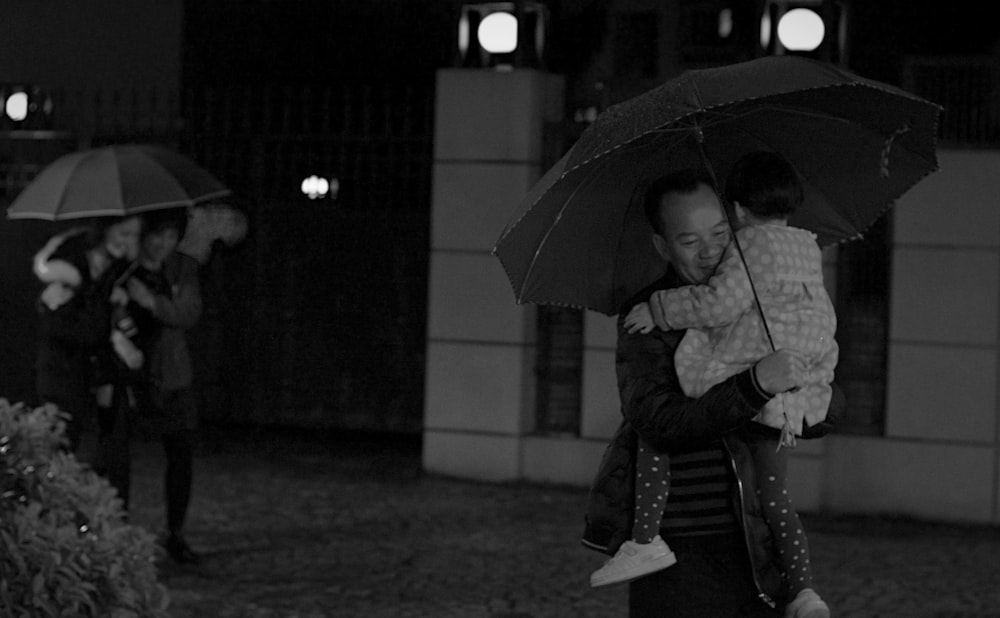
pixel 115 181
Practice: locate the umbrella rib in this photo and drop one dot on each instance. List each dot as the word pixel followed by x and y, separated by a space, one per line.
pixel 65 188
pixel 548 232
pixel 724 116
pixel 621 237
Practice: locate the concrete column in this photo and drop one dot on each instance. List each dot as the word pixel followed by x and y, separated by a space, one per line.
pixel 574 460
pixel 939 458
pixel 488 150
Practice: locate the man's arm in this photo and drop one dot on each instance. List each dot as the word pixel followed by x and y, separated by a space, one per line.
pixel 654 403
pixel 183 309
pixel 727 294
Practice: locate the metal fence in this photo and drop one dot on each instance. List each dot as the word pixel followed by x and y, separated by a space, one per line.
pixel 318 318
pixel 968 87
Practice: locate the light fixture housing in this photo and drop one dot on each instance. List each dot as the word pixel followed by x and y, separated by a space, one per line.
pixel 502 35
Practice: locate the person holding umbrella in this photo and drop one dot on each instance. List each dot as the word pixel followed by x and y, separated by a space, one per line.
pixel 117 184
pixel 725 334
pixel 725 562
pixel 579 238
pixel 80 268
pixel 166 300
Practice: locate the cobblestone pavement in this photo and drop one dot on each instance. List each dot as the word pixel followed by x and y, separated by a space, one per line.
pixel 308 528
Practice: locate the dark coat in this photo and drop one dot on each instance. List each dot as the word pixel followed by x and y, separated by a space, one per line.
pixel 176 310
pixel 72 336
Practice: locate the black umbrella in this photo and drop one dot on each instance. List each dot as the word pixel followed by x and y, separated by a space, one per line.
pixel 580 239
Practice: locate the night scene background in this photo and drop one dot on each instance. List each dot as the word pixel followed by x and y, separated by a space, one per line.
pixel 310 357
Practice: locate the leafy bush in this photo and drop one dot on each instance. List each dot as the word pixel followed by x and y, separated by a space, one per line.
pixel 65 547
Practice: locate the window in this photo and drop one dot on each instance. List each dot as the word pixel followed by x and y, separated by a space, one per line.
pixel 862 303
pixel 559 370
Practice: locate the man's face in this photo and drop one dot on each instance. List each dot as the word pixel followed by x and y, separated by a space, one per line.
pixel 157 246
pixel 695 233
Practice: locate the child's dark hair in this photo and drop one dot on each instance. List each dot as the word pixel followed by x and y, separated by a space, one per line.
pixel 159 220
pixel 765 184
pixel 684 182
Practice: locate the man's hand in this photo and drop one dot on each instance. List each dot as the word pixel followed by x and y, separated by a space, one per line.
pixel 141 294
pixel 781 371
pixel 126 350
pixel 118 296
pixel 639 320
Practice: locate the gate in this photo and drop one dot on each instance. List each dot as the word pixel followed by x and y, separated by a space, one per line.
pixel 318 318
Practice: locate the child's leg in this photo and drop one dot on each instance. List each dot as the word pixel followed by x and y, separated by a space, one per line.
pixel 652 483
pixel 646 552
pixel 790 538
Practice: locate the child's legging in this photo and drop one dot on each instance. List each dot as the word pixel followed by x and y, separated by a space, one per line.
pixel 652 485
pixel 771 465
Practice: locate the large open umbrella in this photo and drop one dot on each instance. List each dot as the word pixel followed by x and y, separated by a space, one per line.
pixel 580 238
pixel 115 181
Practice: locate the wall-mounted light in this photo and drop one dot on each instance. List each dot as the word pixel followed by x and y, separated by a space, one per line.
pixel 24 107
pixel 16 106
pixel 801 30
pixel 502 35
pixel 814 28
pixel 497 33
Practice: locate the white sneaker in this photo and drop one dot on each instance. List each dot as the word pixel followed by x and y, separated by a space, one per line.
pixel 634 560
pixel 807 604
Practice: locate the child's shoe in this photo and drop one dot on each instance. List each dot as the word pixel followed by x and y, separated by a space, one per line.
pixel 634 560
pixel 807 604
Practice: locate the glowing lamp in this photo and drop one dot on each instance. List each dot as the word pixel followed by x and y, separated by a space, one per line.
pixel 16 106
pixel 507 35
pixel 25 107
pixel 497 33
pixel 811 28
pixel 801 30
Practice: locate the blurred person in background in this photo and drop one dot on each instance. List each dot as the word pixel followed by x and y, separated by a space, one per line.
pixel 80 267
pixel 165 300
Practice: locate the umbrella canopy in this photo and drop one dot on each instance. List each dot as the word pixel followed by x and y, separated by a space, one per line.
pixel 580 237
pixel 115 181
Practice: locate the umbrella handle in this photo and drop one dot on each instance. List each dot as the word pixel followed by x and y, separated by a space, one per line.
pixel 126 273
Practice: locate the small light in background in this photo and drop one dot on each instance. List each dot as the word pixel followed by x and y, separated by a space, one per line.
pixel 765 30
pixel 725 23
pixel 801 30
pixel 16 106
pixel 585 114
pixel 317 188
pixel 25 107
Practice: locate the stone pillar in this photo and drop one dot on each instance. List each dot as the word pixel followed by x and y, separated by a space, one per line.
pixel 488 151
pixel 940 456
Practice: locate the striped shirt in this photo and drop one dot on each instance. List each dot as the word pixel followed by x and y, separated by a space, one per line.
pixel 701 493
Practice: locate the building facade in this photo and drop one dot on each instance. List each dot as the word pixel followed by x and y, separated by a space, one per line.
pixel 917 302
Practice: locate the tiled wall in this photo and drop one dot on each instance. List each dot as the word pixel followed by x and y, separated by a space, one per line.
pixel 938 458
pixel 480 344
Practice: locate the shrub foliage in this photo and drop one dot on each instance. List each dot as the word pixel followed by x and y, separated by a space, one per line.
pixel 65 546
